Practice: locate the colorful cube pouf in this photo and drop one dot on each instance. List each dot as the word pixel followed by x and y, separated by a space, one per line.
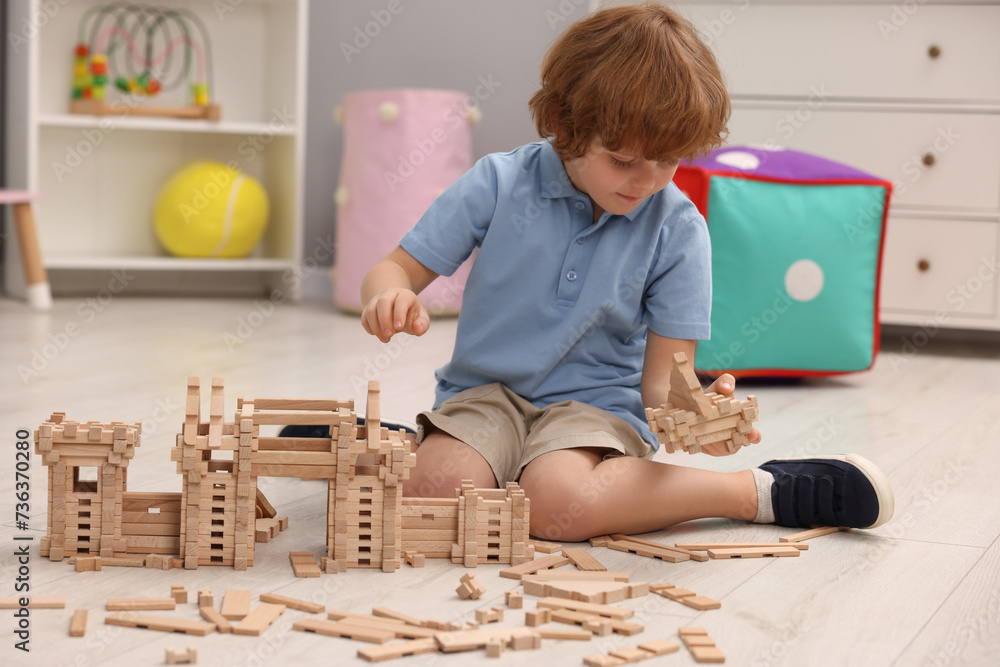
pixel 796 257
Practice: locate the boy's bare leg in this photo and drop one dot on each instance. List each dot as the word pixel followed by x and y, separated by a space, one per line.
pixel 442 463
pixel 575 494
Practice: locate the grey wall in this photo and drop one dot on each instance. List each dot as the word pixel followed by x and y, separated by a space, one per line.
pixel 451 44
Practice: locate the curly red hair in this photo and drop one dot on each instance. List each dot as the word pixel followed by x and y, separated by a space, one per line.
pixel 640 78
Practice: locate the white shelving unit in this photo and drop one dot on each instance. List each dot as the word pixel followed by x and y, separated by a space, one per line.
pixel 99 177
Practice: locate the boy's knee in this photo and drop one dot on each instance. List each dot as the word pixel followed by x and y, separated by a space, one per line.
pixel 432 482
pixel 443 466
pixel 559 510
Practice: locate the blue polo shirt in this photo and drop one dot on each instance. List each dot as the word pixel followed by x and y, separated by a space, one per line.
pixel 556 306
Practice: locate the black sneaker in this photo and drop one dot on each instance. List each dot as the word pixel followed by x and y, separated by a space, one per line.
pixel 310 431
pixel 841 490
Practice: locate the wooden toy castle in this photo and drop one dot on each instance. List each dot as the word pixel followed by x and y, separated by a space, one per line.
pixel 92 515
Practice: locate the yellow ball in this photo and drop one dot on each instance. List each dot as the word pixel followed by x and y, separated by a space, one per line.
pixel 208 209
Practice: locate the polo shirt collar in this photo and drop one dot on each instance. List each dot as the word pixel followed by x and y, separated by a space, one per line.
pixel 555 181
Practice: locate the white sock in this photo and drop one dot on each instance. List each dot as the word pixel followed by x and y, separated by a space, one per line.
pixel 764 480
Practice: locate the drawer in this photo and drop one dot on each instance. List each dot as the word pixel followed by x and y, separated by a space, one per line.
pixel 940 265
pixel 964 148
pixel 856 50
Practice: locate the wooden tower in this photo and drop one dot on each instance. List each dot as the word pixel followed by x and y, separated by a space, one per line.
pixel 87 465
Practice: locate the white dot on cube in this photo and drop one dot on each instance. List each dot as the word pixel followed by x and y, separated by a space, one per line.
pixel 388 111
pixel 739 160
pixel 804 280
pixel 342 196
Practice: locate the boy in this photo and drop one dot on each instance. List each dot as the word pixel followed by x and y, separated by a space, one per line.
pixel 593 270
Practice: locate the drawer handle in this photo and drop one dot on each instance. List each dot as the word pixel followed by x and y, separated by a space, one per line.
pixel 934 51
pixel 928 159
pixel 923 266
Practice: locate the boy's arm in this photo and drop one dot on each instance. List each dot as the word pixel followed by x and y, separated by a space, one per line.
pixel 659 359
pixel 389 292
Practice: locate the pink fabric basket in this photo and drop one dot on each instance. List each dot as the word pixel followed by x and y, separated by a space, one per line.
pixel 402 148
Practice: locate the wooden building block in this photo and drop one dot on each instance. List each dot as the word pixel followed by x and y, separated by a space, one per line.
pixel 556 632
pixel 698 640
pixel 179 594
pixel 809 534
pixel 537 617
pixel 701 645
pixel 583 560
pixel 236 604
pixel 78 626
pixel 602 660
pixel 700 602
pixel 580 618
pixel 688 631
pixel 517 638
pixel 660 646
pixel 672 592
pixel 259 620
pixel 693 555
pixel 34 602
pixel 666 554
pixel 586 607
pixel 292 603
pixel 354 631
pixel 514 599
pixel 205 598
pixel 222 624
pixel 141 604
pixel 469 588
pixel 304 564
pixel 533 566
pixel 601 627
pixel 162 623
pixel 543 547
pixel 707 654
pixel 399 628
pixel 495 647
pixel 177 656
pixel 575 575
pixel 491 615
pixel 384 612
pixel 88 564
pixel 754 552
pixel 630 654
pixel 705 546
pixel 398 649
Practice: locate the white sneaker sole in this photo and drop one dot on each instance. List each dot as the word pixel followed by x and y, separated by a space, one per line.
pixel 883 490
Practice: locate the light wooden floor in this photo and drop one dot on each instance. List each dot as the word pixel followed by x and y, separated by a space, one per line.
pixel 923 589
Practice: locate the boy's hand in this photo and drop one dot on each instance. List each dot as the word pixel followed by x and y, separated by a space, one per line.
pixel 395 310
pixel 725 384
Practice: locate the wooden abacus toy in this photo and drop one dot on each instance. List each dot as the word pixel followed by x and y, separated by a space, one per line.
pixel 122 38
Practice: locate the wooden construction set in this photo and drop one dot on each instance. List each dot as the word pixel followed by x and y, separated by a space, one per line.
pixel 693 418
pixel 582 598
pixel 219 513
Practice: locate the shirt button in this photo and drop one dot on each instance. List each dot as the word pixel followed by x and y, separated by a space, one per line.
pixel 571 276
pixel 580 205
pixel 581 241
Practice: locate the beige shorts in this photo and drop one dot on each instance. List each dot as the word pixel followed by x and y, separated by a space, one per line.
pixel 509 431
